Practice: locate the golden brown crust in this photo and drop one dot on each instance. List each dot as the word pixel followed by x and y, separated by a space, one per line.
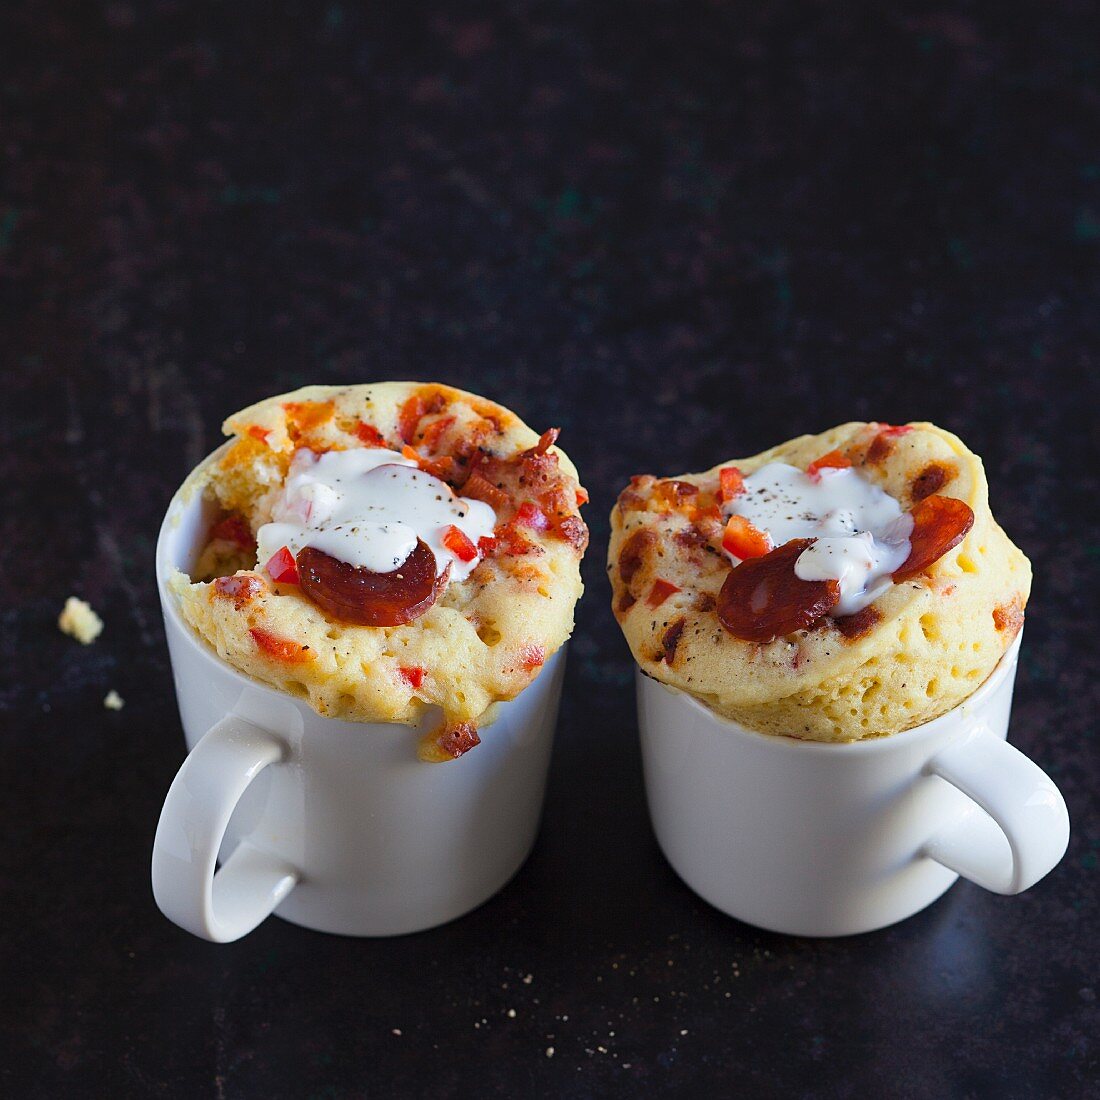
pixel 918 651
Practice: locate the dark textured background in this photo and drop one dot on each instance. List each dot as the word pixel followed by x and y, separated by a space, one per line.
pixel 679 231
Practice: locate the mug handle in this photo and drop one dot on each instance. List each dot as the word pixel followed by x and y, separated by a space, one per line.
pixel 220 906
pixel 1025 828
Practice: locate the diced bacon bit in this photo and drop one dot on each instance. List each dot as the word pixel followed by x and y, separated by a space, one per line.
pixel 626 602
pixel 420 404
pixel 282 568
pixel 257 432
pixel 512 541
pixel 532 656
pixel 730 483
pixel 743 539
pixel 448 742
pixel 546 441
pixel 672 493
pixel 660 592
pixel 531 515
pixel 434 431
pixel 834 460
pixel 281 649
pixel 574 531
pixel 939 525
pixel 370 435
pixel 233 529
pixel 459 544
pixel 239 588
pixel 582 496
pixel 633 498
pixel 893 430
pixel 441 468
pixel 669 642
pixel 413 676
pixel 634 552
pixel 480 488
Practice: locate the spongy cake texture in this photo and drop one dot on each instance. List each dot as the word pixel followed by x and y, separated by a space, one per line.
pixel 919 650
pixel 482 642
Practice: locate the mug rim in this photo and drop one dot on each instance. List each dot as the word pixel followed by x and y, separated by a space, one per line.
pixel 786 743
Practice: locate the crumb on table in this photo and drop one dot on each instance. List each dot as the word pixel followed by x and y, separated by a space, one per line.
pixel 114 701
pixel 79 621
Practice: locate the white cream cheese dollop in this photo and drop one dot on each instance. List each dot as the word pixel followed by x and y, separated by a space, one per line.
pixel 367 507
pixel 862 535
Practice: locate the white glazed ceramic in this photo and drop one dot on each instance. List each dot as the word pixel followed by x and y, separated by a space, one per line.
pixel 337 826
pixel 819 839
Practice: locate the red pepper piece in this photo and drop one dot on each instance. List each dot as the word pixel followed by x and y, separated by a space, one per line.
pixel 743 539
pixel 414 676
pixel 282 568
pixel 834 460
pixel 257 432
pixel 282 649
pixel 763 599
pixel 359 596
pixel 582 496
pixel 660 592
pixel 939 525
pixel 730 483
pixel 370 435
pixel 459 544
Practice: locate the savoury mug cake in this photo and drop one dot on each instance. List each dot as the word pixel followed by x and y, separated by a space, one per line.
pixel 383 549
pixel 835 587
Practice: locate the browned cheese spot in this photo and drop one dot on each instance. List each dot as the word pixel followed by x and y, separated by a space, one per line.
pixel 881 448
pixel 1009 618
pixel 931 479
pixel 860 624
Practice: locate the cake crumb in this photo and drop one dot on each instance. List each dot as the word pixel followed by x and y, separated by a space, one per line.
pixel 549 1052
pixel 114 701
pixel 79 621
pixel 396 1031
pixel 511 1013
pixel 528 979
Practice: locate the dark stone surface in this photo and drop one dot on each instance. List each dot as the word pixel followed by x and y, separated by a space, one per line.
pixel 681 232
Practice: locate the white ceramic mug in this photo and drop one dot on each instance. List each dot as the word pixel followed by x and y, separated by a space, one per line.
pixel 337 826
pixel 818 839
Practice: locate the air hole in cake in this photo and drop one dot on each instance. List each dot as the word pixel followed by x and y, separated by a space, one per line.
pixel 967 564
pixel 489 634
